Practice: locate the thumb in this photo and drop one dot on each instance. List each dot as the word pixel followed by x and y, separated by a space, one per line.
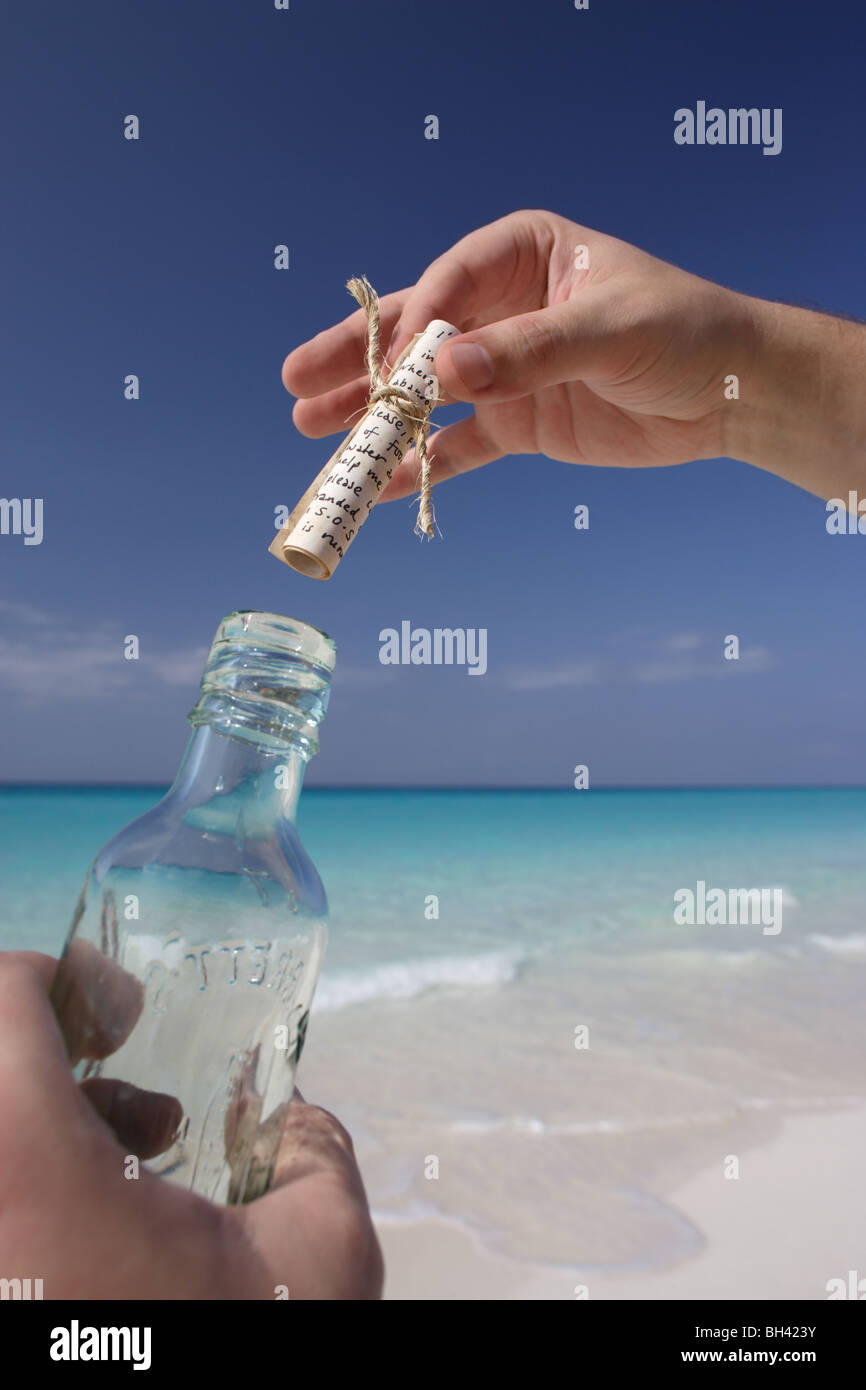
pixel 313 1228
pixel 573 341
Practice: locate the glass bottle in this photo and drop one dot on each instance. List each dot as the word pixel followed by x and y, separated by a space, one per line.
pixel 186 981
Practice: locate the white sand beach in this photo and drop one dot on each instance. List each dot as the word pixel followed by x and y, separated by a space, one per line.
pixel 795 1218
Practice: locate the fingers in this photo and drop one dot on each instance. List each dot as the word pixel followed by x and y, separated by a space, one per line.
pixel 45 966
pixel 313 1227
pixel 28 1027
pixel 39 1097
pixel 337 355
pixel 498 270
pixel 314 1141
pixel 97 1002
pixel 456 448
pixel 577 340
pixel 336 410
pixel 144 1122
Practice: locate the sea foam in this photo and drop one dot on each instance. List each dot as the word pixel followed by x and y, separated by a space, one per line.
pixel 406 979
pixel 848 944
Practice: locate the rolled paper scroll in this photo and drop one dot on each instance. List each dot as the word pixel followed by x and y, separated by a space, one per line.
pixel 337 503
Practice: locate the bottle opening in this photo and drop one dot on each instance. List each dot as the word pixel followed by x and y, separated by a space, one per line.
pixel 267 678
pixel 256 627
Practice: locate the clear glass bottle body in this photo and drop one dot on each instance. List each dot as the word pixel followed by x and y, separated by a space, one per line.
pixel 190 967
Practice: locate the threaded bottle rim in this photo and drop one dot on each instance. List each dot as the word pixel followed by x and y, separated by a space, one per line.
pixel 267 678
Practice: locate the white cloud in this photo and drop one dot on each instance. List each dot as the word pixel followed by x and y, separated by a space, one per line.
pixel 182 667
pixel 686 668
pixel 27 612
pixel 637 657
pixel 363 677
pixel 683 641
pixel 568 673
pixel 42 657
pixel 46 669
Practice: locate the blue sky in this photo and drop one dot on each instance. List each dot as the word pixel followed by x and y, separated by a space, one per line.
pixel 155 257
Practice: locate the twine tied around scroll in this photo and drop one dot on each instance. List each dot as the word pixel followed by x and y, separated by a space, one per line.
pixel 380 390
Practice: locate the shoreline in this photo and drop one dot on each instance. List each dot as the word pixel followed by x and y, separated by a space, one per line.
pixel 794 1219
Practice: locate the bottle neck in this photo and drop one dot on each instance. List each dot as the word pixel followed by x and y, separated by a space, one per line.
pixel 238 777
pixel 264 693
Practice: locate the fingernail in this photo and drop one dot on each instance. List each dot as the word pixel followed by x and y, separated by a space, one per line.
pixel 473 364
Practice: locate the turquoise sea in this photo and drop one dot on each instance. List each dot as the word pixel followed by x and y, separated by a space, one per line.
pixel 529 871
pixel 459 1034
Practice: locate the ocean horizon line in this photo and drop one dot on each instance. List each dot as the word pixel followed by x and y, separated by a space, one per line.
pixel 469 787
